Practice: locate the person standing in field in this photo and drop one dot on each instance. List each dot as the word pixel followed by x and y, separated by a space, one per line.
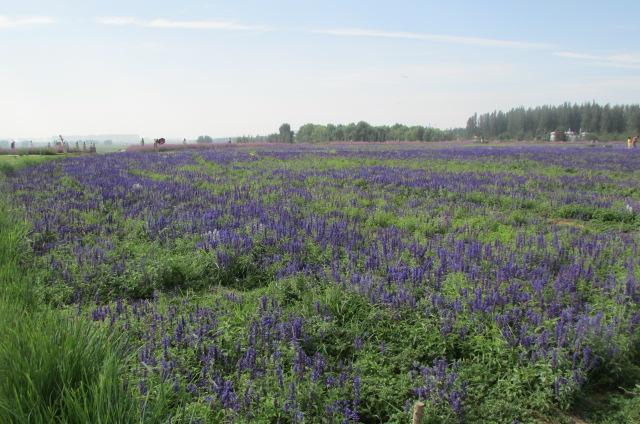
pixel 634 141
pixel 629 142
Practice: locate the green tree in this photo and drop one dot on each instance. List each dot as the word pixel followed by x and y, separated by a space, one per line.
pixel 520 123
pixel 305 133
pixel 472 125
pixel 286 135
pixel 204 139
pixel 634 119
pixel 363 132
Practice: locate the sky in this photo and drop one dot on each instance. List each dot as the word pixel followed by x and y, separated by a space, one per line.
pixel 226 68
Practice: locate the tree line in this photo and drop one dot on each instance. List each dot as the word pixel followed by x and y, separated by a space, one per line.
pixel 361 131
pixel 604 122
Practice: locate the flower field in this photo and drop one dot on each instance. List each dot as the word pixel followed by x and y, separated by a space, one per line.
pixel 343 283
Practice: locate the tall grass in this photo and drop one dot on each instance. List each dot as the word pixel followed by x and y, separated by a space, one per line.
pixel 57 369
pixel 53 367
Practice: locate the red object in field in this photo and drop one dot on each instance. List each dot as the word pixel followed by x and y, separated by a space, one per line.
pixel 160 140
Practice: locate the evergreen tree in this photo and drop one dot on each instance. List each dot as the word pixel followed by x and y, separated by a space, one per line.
pixel 536 123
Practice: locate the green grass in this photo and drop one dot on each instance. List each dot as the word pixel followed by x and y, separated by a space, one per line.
pixel 54 367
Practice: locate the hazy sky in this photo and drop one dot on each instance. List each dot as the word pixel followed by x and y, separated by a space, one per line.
pixel 174 69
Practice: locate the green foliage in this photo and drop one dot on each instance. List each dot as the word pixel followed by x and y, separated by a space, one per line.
pixel 286 135
pixel 59 367
pixel 9 164
pixel 204 139
pixel 582 212
pixel 361 131
pixel 587 213
pixel 601 122
pixel 53 367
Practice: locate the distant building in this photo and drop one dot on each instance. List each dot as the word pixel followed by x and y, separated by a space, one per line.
pixel 584 135
pixel 564 136
pixel 569 135
pixel 556 136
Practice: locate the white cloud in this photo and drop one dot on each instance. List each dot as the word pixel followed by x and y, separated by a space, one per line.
pixel 625 60
pixel 574 55
pixel 349 32
pixel 118 20
pixel 452 39
pixel 178 24
pixel 6 22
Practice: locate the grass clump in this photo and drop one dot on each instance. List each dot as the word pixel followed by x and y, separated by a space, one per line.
pixel 53 367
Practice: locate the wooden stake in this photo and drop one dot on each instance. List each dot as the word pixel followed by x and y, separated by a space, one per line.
pixel 418 412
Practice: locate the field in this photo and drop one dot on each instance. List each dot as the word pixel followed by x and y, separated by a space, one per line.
pixel 330 283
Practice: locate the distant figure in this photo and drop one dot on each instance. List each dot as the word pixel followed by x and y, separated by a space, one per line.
pixel 629 142
pixel 184 141
pixel 84 146
pixel 13 145
pixel 634 141
pixel 142 141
